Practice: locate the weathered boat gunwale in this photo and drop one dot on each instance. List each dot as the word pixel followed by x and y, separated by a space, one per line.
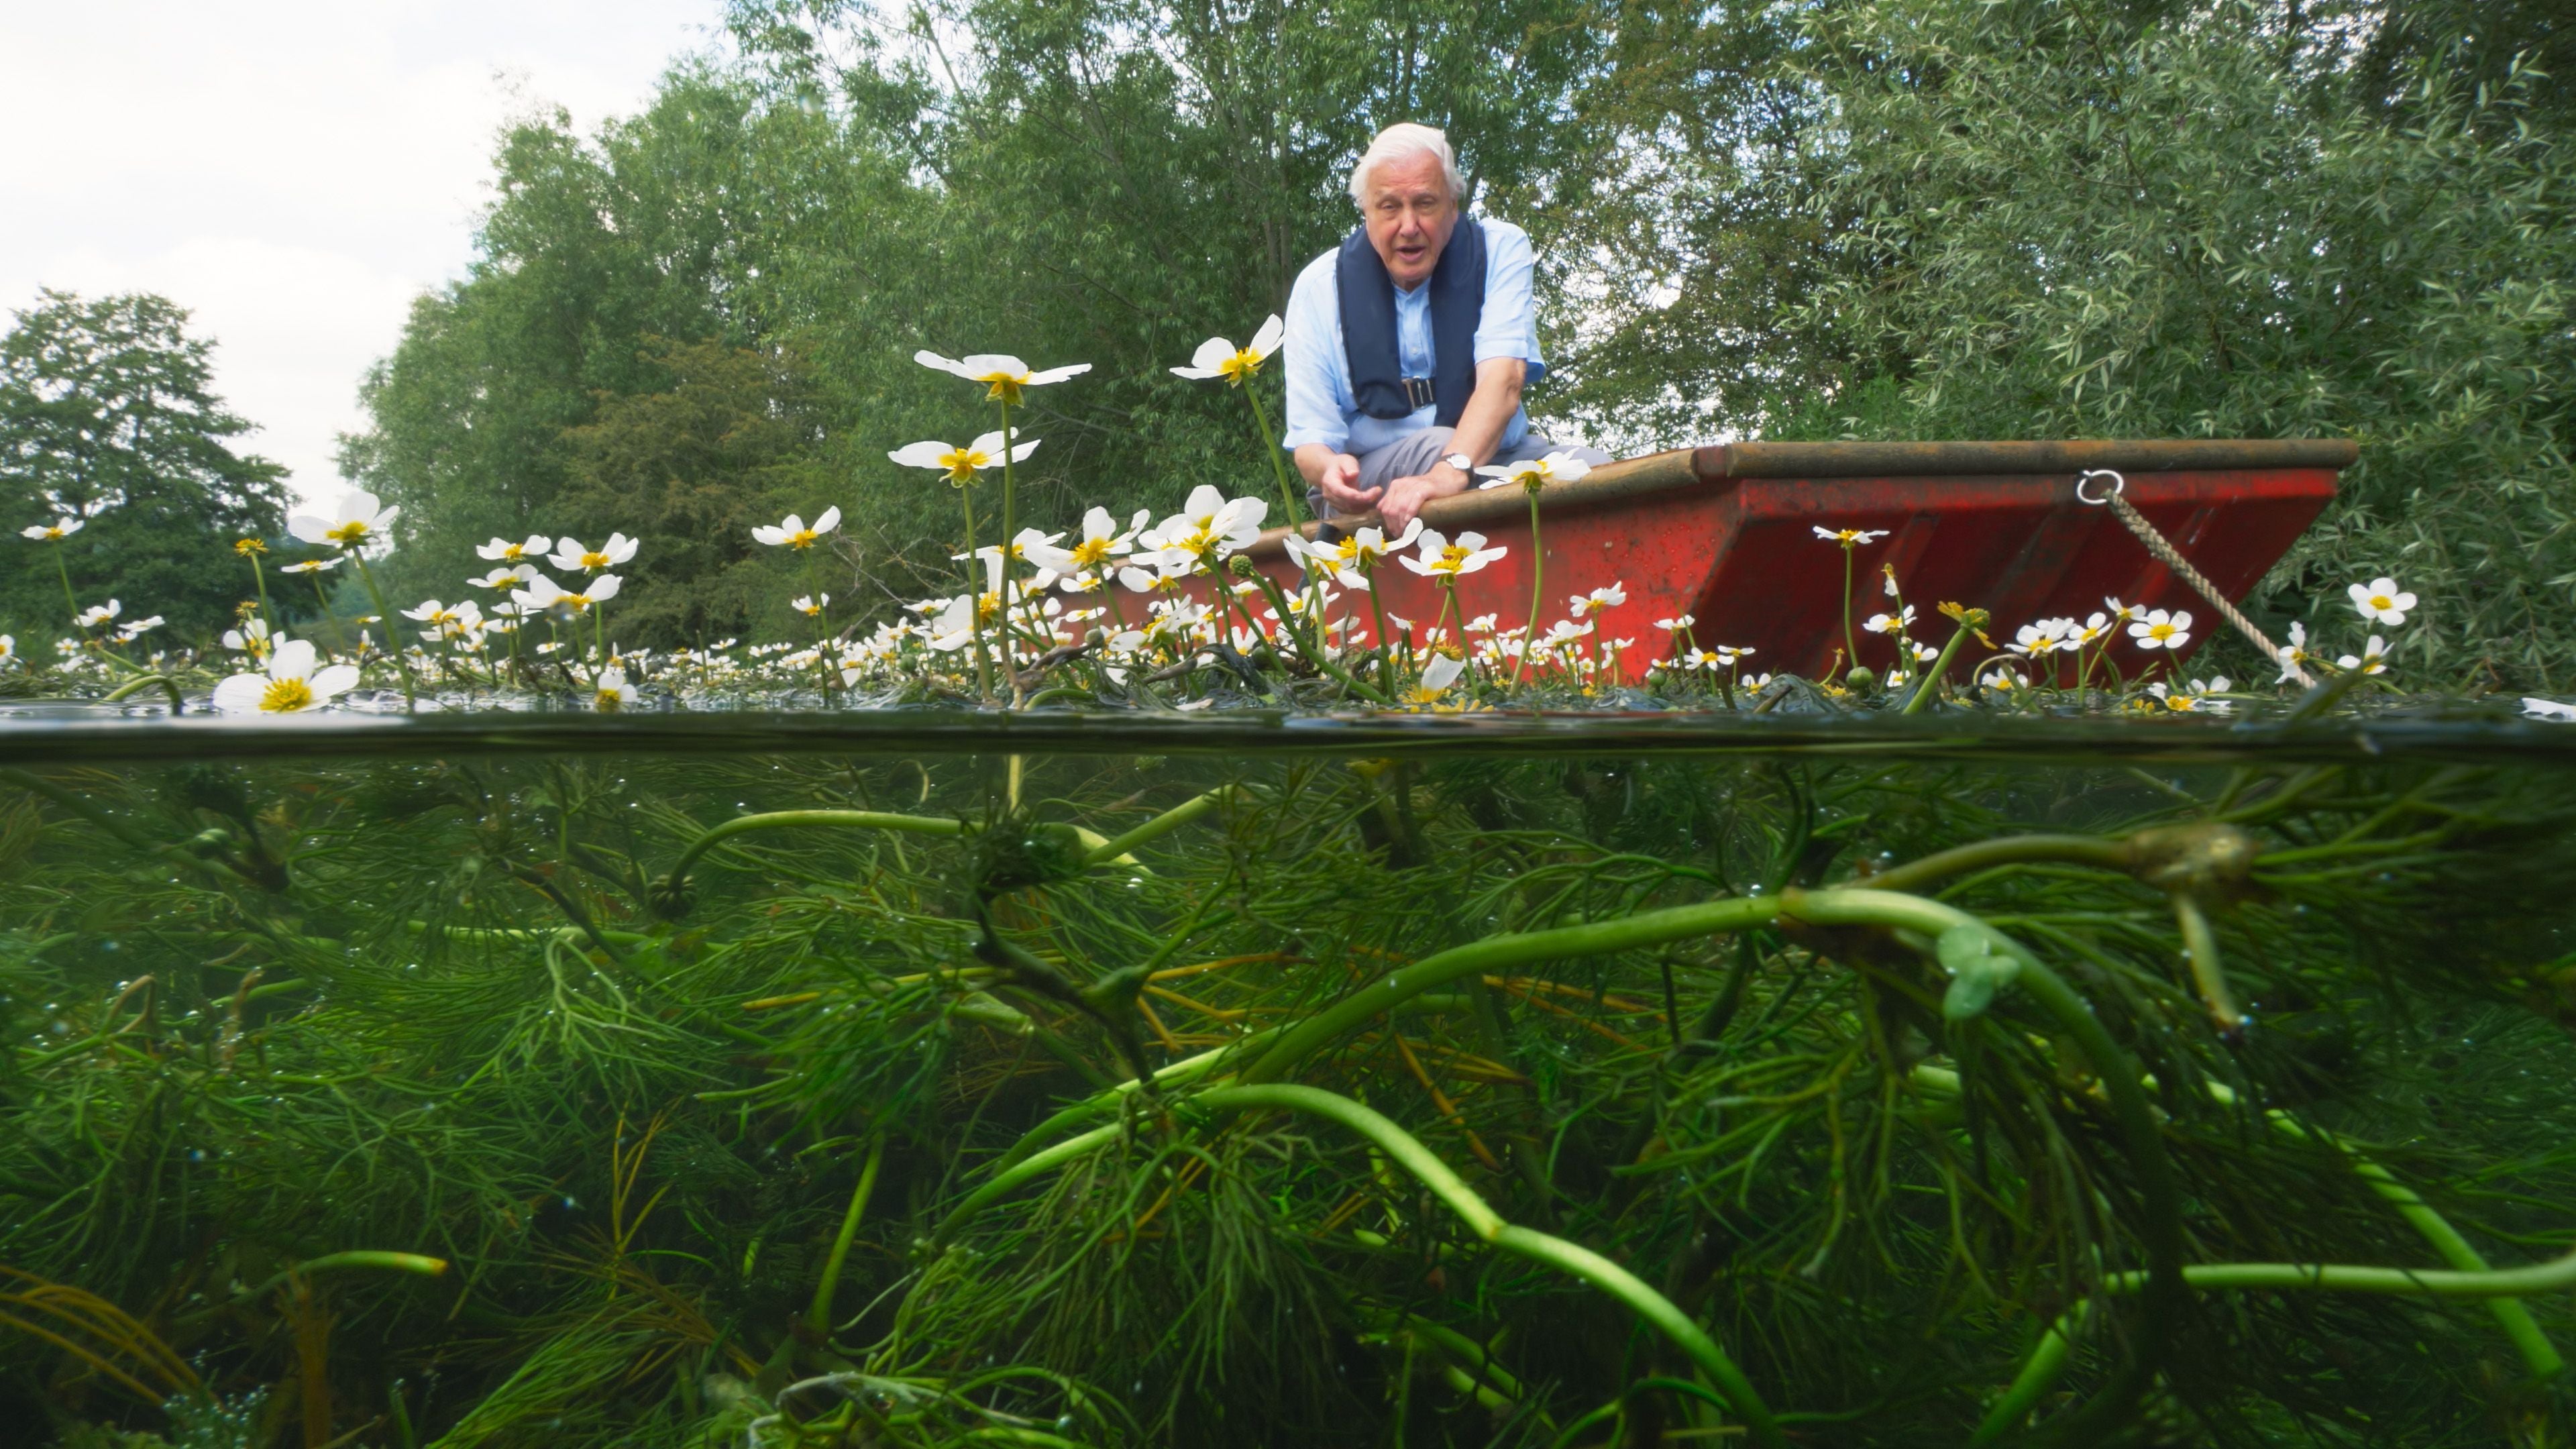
pixel 1720 463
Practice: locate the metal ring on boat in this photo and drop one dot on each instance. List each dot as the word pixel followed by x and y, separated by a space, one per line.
pixel 2119 485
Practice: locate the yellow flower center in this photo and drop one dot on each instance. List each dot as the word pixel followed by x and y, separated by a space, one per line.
pixel 594 560
pixel 248 546
pixel 1002 387
pixel 514 552
pixel 961 464
pixel 2182 702
pixel 2160 631
pixel 1241 365
pixel 347 535
pixel 1091 553
pixel 284 696
pixel 608 700
pixel 1452 558
pixel 802 538
pixel 2382 601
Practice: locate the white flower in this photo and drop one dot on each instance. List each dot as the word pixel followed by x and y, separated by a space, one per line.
pixel 504 578
pixel 311 565
pixel 291 683
pixel 610 692
pixel 2045 637
pixel 793 532
pixel 1850 536
pixel 501 550
pixel 2373 658
pixel 2002 678
pixel 1675 624
pixel 138 628
pixel 1217 357
pixel 2294 653
pixel 2162 630
pixel 356 520
pixel 97 614
pixel 1438 558
pixel 812 605
pixel 2537 708
pixel 1099 541
pixel 2079 635
pixel 1599 599
pixel 1003 374
pixel 2381 602
pixel 2120 613
pixel 60 528
pixel 1896 623
pixel 1563 466
pixel 1438 673
pixel 962 464
pixel 1210 526
pixel 9 649
pixel 544 593
pixel 569 554
pixel 2193 698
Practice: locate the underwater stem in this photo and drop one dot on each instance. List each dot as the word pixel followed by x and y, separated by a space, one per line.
pixel 819 1316
pixel 1573 1259
pixel 1160 826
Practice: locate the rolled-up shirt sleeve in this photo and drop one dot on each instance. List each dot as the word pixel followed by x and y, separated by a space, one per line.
pixel 1311 353
pixel 1509 325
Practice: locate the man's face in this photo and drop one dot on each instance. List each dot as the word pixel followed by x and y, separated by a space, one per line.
pixel 1409 214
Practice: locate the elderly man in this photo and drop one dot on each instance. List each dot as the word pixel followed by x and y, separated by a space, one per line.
pixel 1408 345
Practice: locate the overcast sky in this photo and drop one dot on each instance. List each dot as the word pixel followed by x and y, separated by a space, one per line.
pixel 294 172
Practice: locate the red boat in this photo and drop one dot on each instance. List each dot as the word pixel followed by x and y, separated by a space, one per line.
pixel 1727 534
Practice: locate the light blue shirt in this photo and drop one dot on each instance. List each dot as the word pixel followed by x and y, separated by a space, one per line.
pixel 1320 408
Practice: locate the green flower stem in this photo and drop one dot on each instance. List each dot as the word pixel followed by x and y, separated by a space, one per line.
pixel 819 1316
pixel 259 576
pixel 141 682
pixel 1035 1165
pixel 975 589
pixel 2516 1320
pixel 1313 652
pixel 1939 671
pixel 71 606
pixel 402 665
pixel 1851 641
pixel 2159 1186
pixel 1914 875
pixel 1160 826
pixel 1289 513
pixel 2048 1360
pixel 1572 1259
pixel 672 883
pixel 1010 529
pixel 1538 578
pixel 1495 953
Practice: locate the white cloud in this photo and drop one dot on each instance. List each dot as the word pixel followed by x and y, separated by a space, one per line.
pixel 292 171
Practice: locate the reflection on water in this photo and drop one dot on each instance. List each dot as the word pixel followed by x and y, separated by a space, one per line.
pixel 776 1079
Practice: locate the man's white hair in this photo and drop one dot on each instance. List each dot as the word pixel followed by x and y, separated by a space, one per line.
pixel 1407 139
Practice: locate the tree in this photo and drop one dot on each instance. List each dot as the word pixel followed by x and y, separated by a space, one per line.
pixel 689 468
pixel 107 412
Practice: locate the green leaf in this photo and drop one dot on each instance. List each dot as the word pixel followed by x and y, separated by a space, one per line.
pixel 1977 972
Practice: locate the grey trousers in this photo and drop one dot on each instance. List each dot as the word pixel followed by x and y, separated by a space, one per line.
pixel 1416 452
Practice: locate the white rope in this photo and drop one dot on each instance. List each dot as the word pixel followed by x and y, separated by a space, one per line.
pixel 2166 554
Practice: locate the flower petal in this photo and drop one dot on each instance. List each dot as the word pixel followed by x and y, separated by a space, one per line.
pixel 1211 354
pixel 333 680
pixel 1057 374
pixel 241 694
pixel 922 455
pixel 1266 341
pixel 293 660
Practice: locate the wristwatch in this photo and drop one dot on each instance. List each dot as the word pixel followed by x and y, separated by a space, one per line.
pixel 1461 462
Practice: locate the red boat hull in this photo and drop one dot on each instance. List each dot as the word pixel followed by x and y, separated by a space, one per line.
pixel 1727 534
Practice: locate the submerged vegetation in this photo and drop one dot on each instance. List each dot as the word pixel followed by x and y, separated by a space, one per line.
pixel 976 1100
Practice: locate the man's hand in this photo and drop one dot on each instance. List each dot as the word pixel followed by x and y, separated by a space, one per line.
pixel 1339 483
pixel 1405 496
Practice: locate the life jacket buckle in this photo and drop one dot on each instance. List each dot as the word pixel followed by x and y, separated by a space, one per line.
pixel 1418 391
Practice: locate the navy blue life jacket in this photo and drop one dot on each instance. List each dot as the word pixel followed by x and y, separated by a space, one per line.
pixel 1457 284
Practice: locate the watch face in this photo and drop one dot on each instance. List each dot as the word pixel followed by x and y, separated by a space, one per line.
pixel 1459 461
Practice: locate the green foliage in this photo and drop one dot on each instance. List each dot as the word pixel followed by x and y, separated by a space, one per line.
pixel 2074 220
pixel 449 1021
pixel 107 411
